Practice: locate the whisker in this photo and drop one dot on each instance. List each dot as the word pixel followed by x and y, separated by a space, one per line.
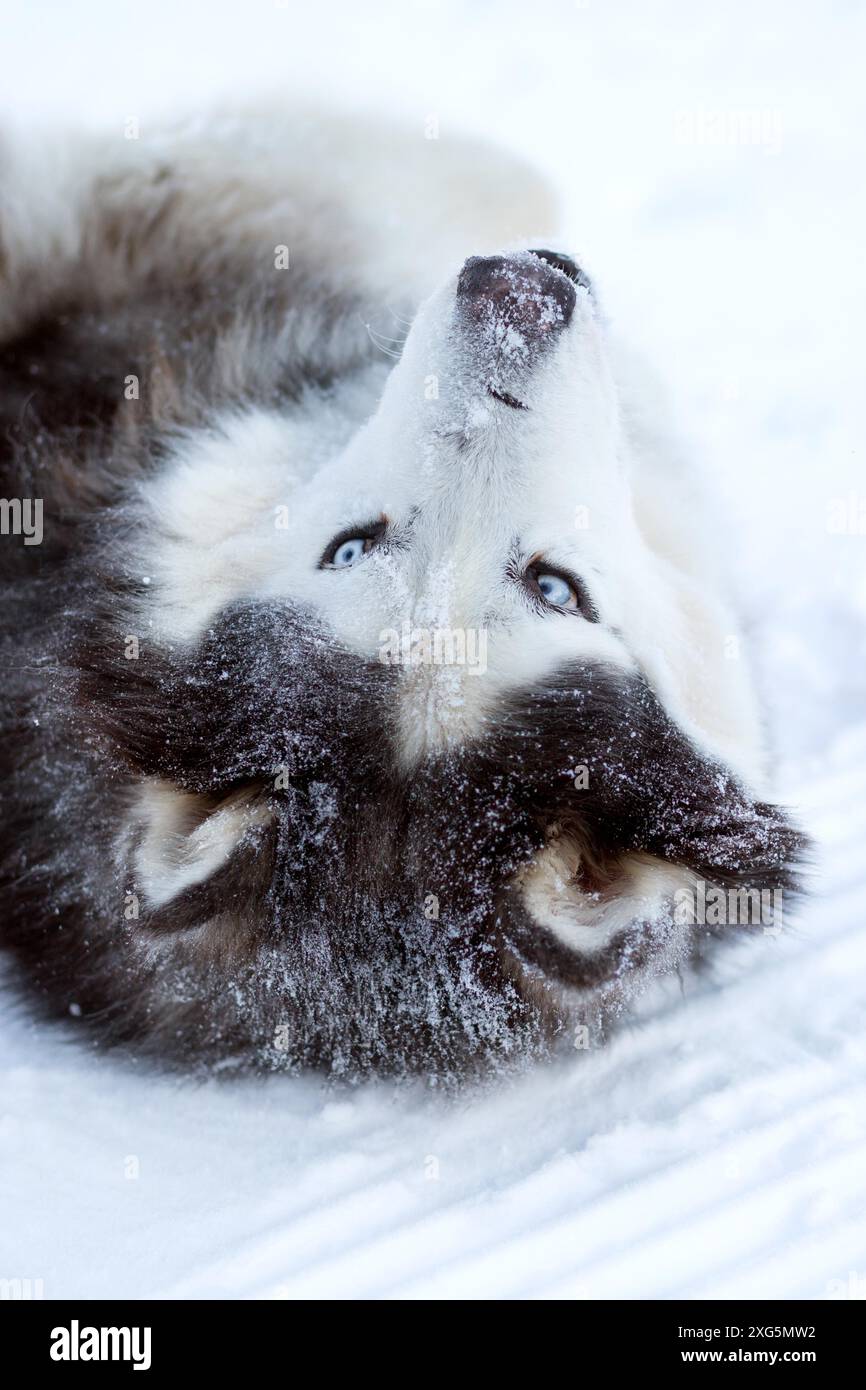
pixel 380 341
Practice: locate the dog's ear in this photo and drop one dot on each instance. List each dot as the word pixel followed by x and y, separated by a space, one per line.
pixel 665 797
pixel 641 825
pixel 183 849
pixel 264 719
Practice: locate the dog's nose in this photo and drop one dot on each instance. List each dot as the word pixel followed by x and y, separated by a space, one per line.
pixel 524 291
pixel 569 267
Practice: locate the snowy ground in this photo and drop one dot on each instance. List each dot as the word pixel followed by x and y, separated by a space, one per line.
pixel 718 1146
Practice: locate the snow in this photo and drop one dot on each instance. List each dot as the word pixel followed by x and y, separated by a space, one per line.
pixel 709 162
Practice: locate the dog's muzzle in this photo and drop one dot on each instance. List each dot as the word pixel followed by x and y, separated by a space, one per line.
pixel 531 293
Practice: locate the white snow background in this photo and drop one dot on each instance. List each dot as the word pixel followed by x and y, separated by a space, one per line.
pixel 718 1146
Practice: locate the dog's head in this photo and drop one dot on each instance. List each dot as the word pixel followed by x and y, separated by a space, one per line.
pixel 434 724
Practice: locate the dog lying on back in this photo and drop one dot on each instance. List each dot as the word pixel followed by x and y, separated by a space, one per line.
pixel 368 695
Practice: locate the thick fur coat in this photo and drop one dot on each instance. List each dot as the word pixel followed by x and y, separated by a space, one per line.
pixel 372 698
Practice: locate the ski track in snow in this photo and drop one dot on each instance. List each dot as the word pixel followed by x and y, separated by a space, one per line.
pixel 717 1147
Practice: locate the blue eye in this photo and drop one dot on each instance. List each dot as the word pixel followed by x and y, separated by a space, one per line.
pixel 350 545
pixel 560 590
pixel 556 591
pixel 349 552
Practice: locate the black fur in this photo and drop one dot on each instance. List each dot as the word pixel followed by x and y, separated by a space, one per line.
pixel 370 918
pixel 327 936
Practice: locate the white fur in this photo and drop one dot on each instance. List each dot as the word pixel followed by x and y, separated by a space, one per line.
pixel 245 508
pixel 586 923
pixel 179 843
pixel 646 555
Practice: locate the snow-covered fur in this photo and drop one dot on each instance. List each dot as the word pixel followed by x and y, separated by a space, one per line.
pixel 372 698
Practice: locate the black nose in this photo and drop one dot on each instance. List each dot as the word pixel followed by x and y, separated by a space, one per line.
pixel 523 291
pixel 560 261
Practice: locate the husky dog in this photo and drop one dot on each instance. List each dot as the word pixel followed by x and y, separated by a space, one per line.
pixel 372 699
